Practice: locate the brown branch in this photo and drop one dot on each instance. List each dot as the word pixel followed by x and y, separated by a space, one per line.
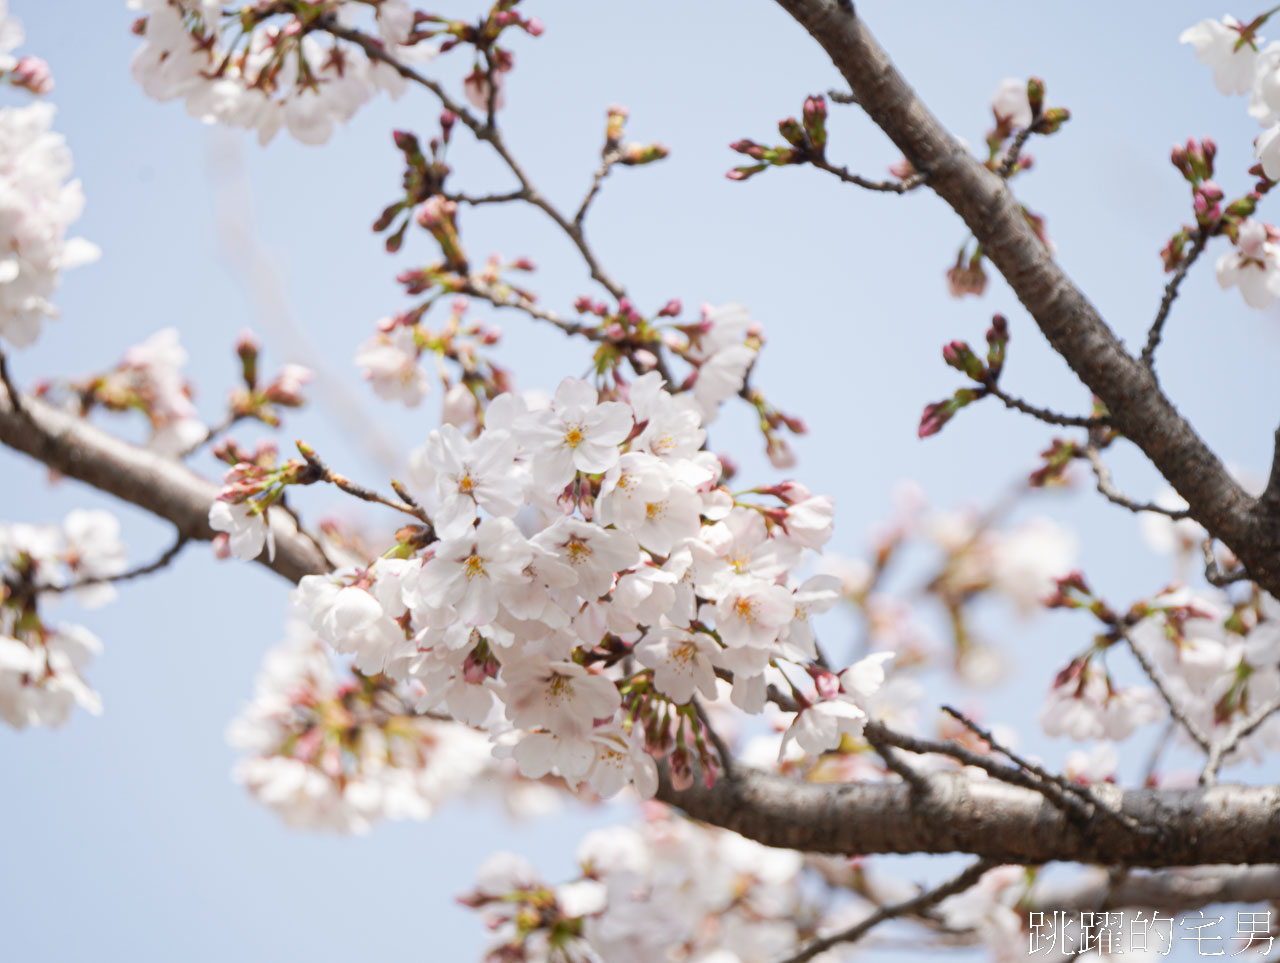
pixel 1213 574
pixel 889 187
pixel 1010 161
pixel 1241 729
pixel 1157 680
pixel 75 448
pixel 324 473
pixel 1138 409
pixel 487 132
pixel 1108 490
pixel 15 396
pixel 922 901
pixel 1060 783
pixel 156 565
pixel 989 818
pixel 1170 295
pixel 1044 414
pixel 1170 891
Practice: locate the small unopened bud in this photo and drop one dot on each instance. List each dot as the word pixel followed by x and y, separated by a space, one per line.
pixel 1035 95
pixel 406 142
pixel 791 132
pixel 635 154
pixel 247 347
pixel 33 74
pixel 670 309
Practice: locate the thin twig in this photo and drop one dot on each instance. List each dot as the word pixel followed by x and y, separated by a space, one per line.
pixel 1170 295
pixel 1044 414
pixel 887 187
pixel 916 904
pixel 918 781
pixel 1010 160
pixel 487 132
pixel 1153 761
pixel 610 158
pixel 1063 784
pixel 154 566
pixel 324 473
pixel 486 198
pixel 1112 494
pixel 1175 710
pixel 15 396
pixel 722 748
pixel 1213 573
pixel 1241 729
pixel 1015 777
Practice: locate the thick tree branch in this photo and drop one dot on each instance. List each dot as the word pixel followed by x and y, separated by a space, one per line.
pixel 1138 409
pixel 72 446
pixel 959 813
pixel 1170 891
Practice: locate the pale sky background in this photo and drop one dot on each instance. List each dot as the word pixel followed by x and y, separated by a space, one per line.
pixel 127 840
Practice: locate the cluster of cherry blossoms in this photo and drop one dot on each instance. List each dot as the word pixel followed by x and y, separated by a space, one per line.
pixel 262 70
pixel 38 201
pixel 42 665
pixel 336 753
pixel 1241 65
pixel 583 575
pixel 663 889
pixel 306 66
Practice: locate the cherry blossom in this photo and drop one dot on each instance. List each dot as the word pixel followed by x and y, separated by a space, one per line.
pixel 1010 104
pixel 1253 266
pixel 682 661
pixel 471 570
pixel 468 475
pixel 575 434
pixel 327 754
pixel 389 362
pixel 1217 44
pixel 38 203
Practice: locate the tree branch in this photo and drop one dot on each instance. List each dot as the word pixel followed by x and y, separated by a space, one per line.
pixel 1138 409
pixel 1169 891
pixel 74 447
pixel 1171 295
pixel 922 901
pixel 989 818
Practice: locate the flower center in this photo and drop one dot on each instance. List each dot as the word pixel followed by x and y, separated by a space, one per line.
pixel 473 566
pixel 575 434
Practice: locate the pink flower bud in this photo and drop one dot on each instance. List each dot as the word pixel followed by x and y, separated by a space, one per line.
pixel 33 74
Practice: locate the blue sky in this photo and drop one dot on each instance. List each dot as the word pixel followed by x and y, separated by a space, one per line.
pixel 127 838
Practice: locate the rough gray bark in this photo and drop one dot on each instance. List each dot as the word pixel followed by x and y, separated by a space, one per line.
pixel 1139 409
pixel 72 446
pixel 959 813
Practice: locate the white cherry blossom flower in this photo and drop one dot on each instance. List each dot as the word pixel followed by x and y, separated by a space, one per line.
pixel 681 662
pixel 595 554
pixel 1217 46
pixel 389 362
pixel 560 696
pixel 1010 103
pixel 468 475
pixel 470 572
pixel 1253 265
pixel 247 527
pixel 575 434
pixel 752 612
